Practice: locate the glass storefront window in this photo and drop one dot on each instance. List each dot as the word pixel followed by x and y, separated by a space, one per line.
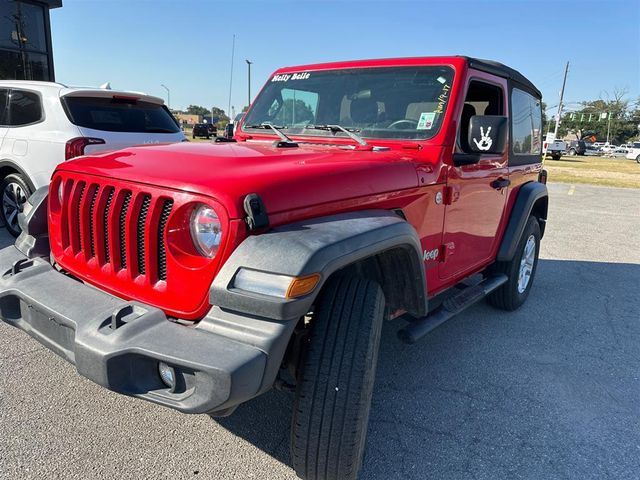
pixel 22 26
pixel 23 65
pixel 23 41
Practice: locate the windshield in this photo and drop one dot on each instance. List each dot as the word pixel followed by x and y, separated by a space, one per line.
pixel 382 102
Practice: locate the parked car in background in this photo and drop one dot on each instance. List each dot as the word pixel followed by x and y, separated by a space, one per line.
pixel 554 148
pixel 634 152
pixel 201 130
pixel 236 121
pixel 576 147
pixel 43 124
pixel 608 148
pixel 591 150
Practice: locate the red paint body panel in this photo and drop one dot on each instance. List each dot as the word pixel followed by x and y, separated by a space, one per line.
pixel 312 180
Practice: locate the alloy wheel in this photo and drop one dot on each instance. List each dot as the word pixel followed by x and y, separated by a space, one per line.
pixel 526 264
pixel 13 200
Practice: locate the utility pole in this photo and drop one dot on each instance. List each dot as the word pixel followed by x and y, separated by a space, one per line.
pixel 249 80
pixel 608 125
pixel 233 50
pixel 555 131
pixel 168 95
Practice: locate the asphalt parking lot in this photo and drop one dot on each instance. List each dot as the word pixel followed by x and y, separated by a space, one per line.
pixel 551 391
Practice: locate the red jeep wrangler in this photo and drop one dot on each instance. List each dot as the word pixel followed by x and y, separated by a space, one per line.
pixel 199 276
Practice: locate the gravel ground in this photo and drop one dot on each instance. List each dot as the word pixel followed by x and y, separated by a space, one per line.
pixel 548 392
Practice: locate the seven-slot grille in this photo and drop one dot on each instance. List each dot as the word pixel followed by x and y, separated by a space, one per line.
pixel 116 226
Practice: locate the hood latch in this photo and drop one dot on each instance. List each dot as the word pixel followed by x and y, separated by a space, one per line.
pixel 256 213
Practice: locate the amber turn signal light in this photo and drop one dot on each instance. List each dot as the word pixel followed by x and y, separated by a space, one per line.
pixel 301 286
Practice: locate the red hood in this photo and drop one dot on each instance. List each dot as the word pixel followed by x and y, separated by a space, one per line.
pixel 285 178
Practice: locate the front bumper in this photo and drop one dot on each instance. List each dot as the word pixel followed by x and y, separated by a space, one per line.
pixel 222 361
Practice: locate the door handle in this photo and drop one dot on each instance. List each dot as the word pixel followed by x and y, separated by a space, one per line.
pixel 500 183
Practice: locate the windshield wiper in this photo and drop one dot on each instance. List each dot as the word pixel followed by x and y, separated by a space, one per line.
pixel 339 128
pixel 270 126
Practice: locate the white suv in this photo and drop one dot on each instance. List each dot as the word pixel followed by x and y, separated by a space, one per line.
pixel 43 124
pixel 633 153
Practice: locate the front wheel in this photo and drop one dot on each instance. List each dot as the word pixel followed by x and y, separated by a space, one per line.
pixel 14 192
pixel 520 270
pixel 335 382
pixel 638 159
pixel 572 152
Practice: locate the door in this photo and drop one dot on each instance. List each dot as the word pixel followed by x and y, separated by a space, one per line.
pixel 476 201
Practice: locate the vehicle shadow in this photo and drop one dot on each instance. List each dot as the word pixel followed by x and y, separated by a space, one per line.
pixel 490 394
pixel 567 159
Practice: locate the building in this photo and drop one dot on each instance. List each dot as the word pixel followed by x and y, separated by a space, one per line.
pixel 187 118
pixel 25 39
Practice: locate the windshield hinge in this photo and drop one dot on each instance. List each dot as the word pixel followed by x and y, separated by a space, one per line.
pixel 284 144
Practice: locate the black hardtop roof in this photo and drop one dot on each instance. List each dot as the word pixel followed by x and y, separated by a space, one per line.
pixel 501 70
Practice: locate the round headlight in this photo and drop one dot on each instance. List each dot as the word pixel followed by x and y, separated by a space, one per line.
pixel 206 230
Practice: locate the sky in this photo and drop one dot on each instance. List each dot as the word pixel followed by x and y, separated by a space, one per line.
pixel 186 45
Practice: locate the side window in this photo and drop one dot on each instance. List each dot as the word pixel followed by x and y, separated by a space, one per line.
pixel 4 95
pixel 24 108
pixel 298 107
pixel 482 99
pixel 526 123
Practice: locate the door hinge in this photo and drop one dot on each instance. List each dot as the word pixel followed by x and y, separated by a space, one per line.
pixel 446 251
pixel 448 195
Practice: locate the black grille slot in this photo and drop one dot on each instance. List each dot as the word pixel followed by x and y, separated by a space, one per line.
pixel 79 208
pixel 92 228
pixel 144 211
pixel 162 226
pixel 105 224
pixel 122 225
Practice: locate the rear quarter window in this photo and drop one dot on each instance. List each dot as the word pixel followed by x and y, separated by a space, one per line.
pixel 526 123
pixel 119 115
pixel 25 108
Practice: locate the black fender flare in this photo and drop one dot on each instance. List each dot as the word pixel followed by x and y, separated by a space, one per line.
pixel 532 198
pixel 320 245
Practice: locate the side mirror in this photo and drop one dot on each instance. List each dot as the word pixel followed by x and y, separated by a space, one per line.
pixel 487 134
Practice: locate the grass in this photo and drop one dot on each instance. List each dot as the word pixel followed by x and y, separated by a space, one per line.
pixel 608 172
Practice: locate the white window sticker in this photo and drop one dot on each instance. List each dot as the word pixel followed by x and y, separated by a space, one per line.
pixel 442 80
pixel 426 121
pixel 285 77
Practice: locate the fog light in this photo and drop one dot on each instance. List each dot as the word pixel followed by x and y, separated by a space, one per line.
pixel 168 375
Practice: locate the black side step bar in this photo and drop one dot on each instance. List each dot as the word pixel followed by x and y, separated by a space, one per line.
pixel 449 308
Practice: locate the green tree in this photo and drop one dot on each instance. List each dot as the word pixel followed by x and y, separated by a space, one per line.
pixel 596 117
pixel 294 112
pixel 197 110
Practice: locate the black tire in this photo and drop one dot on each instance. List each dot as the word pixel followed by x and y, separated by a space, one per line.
pixel 335 381
pixel 193 135
pixel 14 192
pixel 509 296
pixel 572 152
pixel 555 156
pixel 638 159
